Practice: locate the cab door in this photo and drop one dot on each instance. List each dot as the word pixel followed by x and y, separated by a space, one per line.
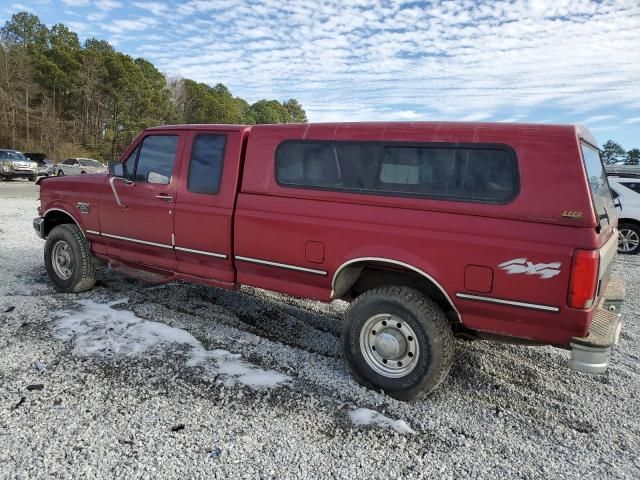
pixel 137 211
pixel 204 214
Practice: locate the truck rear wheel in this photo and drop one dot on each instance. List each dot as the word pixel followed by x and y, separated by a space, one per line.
pixel 398 340
pixel 68 259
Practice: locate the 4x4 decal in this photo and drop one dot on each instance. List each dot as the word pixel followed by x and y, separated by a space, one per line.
pixel 522 265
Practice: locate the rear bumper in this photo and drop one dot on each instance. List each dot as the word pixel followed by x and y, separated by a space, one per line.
pixel 38 226
pixel 590 354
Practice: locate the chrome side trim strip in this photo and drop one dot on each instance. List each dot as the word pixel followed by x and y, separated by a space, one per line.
pixel 200 252
pixel 500 301
pixel 393 262
pixel 135 240
pixel 281 265
pixel 161 245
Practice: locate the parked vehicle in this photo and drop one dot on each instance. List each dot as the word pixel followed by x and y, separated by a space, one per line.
pixel 430 230
pixel 6 169
pixel 80 166
pixel 626 189
pixel 45 166
pixel 21 166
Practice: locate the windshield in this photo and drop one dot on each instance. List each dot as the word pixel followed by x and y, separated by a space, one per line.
pixel 87 162
pixel 12 155
pixel 600 191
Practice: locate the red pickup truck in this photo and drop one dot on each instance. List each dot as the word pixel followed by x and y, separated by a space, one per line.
pixel 430 230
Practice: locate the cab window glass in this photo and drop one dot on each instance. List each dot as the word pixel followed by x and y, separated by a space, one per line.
pixel 129 165
pixel 477 174
pixel 205 166
pixel 157 155
pixel 633 186
pixel 481 173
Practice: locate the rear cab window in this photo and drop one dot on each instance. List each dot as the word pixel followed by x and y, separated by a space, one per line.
pixel 599 185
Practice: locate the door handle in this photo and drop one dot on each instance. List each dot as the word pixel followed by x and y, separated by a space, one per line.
pixel 112 180
pixel 162 196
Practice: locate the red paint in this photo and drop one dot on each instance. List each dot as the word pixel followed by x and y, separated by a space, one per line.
pixel 252 216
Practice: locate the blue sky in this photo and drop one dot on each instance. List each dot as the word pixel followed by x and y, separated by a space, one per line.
pixel 562 61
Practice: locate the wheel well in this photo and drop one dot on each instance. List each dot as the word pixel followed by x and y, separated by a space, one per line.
pixel 356 278
pixel 55 218
pixel 632 221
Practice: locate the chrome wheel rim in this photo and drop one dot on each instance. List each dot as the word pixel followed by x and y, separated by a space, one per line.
pixel 389 345
pixel 628 240
pixel 62 259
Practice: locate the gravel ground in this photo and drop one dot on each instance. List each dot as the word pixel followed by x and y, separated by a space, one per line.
pixel 72 407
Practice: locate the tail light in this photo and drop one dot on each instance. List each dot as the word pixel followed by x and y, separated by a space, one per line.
pixel 584 278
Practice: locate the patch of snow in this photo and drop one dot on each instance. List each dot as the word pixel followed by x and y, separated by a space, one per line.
pixel 23 290
pixel 97 329
pixel 365 416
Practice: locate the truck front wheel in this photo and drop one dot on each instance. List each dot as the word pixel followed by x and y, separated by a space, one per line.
pixel 398 340
pixel 68 259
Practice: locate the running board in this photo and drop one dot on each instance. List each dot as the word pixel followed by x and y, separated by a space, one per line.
pixel 146 275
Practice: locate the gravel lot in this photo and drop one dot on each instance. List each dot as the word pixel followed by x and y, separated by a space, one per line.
pixel 251 384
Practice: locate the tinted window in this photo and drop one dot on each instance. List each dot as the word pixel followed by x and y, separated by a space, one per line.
pixel 129 165
pixel 205 167
pixel 455 173
pixel 598 183
pixel 313 164
pixel 88 162
pixel 633 186
pixel 157 154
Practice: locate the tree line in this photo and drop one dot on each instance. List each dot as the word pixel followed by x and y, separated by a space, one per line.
pixel 65 98
pixel 613 152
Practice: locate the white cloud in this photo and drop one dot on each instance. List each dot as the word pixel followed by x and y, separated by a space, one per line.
pixel 156 8
pixel 19 7
pixel 107 4
pixel 78 27
pixel 358 59
pixel 97 16
pixel 475 117
pixel 597 119
pixel 409 115
pixel 76 3
pixel 631 121
pixel 129 25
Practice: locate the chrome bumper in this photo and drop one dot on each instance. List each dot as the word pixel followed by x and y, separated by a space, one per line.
pixel 590 354
pixel 38 226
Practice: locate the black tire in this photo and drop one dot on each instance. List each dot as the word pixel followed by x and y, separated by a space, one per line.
pixel 83 173
pixel 432 333
pixel 60 173
pixel 32 179
pixel 633 232
pixel 83 271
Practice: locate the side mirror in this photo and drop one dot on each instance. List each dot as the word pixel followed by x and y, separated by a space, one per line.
pixel 116 169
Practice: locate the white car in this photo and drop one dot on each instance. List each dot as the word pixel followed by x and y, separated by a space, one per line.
pixel 79 166
pixel 626 189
